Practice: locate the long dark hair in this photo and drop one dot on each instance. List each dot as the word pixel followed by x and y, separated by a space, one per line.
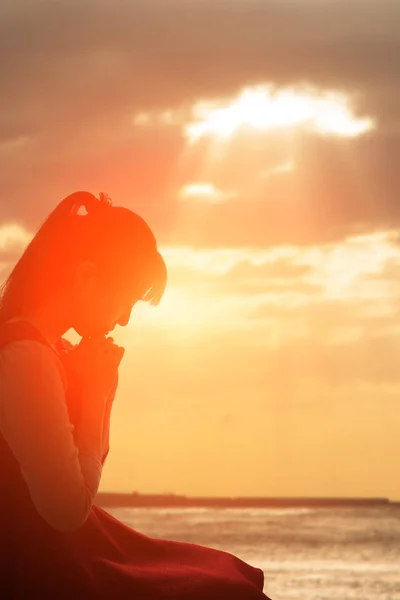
pixel 118 240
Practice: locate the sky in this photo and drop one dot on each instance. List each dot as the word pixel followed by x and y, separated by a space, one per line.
pixel 261 142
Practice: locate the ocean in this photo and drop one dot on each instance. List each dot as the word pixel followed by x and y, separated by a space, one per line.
pixel 312 554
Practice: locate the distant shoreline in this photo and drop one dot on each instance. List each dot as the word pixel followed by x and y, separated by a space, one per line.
pixel 115 500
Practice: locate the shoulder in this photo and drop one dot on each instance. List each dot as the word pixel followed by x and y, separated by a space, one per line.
pixel 28 350
pixel 25 358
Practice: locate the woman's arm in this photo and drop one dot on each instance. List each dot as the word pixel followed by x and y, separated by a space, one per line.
pixel 62 479
pixel 64 346
pixel 107 418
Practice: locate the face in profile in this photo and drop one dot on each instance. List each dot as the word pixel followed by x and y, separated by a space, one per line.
pixel 98 305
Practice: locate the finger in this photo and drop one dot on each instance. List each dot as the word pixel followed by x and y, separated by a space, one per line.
pixel 91 342
pixel 113 351
pixel 117 352
pixel 109 343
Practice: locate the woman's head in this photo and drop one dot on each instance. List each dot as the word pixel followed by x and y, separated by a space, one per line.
pixel 101 259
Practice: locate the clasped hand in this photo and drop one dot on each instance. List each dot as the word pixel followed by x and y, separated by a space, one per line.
pixel 93 365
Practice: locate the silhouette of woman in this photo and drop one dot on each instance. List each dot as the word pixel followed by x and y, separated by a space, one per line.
pixel 85 268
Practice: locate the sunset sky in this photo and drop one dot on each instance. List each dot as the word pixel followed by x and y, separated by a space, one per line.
pixel 261 142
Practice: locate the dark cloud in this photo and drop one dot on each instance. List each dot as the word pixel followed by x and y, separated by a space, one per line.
pixel 73 75
pixel 203 47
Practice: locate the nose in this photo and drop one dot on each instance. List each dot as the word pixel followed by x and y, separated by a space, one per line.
pixel 125 316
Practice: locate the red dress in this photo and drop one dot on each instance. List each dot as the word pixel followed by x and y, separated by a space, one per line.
pixel 104 559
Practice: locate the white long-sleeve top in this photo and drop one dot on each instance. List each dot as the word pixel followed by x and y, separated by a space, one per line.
pixel 34 421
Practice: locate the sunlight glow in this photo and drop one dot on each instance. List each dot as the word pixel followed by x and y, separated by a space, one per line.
pixel 204 191
pixel 263 108
pixel 287 167
pixel 266 291
pixel 13 236
pixel 186 314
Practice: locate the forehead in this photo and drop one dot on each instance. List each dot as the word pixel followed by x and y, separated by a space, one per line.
pixel 129 289
pixel 130 281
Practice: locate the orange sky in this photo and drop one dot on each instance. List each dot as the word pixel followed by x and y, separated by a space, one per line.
pixel 271 365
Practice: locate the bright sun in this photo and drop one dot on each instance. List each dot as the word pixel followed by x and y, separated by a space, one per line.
pixel 263 108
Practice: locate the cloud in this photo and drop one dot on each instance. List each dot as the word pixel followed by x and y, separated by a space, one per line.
pixel 13 237
pixel 13 240
pixel 245 279
pixel 279 269
pixel 322 296
pixel 263 108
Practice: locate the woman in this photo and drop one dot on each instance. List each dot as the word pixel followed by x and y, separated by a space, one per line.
pixel 85 268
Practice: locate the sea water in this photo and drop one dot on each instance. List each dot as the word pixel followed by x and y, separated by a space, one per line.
pixel 312 554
